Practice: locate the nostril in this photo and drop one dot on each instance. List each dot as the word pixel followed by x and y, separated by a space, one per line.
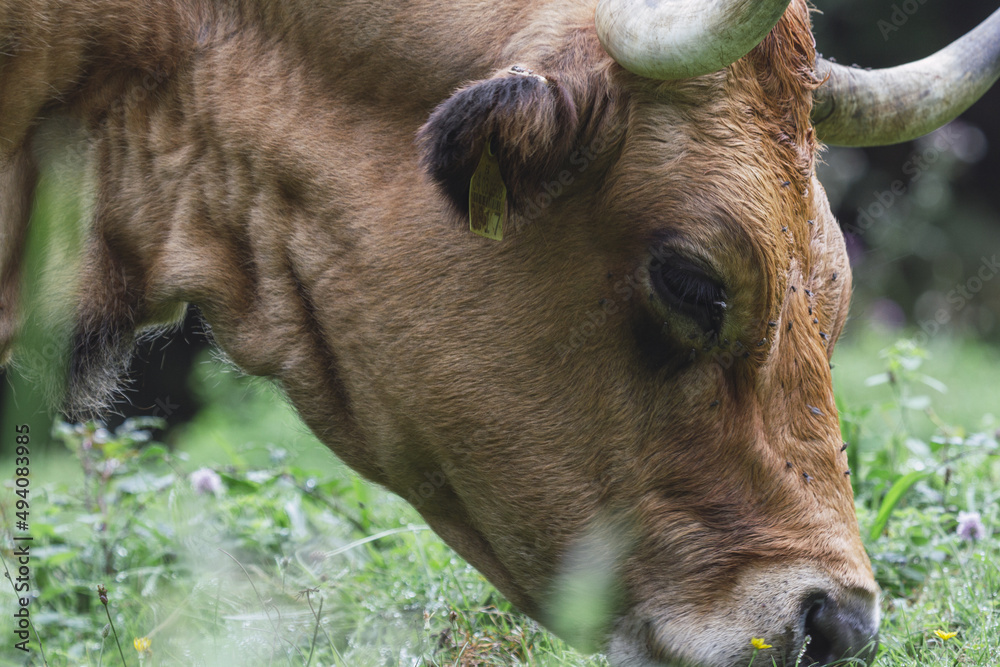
pixel 820 647
pixel 836 630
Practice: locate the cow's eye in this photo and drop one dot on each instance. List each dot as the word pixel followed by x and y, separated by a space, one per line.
pixel 686 289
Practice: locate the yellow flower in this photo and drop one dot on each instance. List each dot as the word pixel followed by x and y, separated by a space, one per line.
pixel 944 635
pixel 141 645
pixel 759 644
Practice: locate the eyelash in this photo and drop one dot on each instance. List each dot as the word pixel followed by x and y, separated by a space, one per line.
pixel 686 289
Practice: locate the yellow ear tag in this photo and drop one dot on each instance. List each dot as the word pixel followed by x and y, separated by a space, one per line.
pixel 487 198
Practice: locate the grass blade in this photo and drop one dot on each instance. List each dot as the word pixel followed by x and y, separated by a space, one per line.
pixel 896 493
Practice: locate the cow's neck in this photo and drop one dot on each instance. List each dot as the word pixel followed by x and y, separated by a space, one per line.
pixel 236 152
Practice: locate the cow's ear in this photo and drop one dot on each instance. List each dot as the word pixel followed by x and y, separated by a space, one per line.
pixel 530 121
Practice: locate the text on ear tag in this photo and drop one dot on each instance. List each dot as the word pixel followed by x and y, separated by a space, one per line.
pixel 487 198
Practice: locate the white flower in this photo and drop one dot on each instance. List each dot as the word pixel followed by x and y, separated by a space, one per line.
pixel 970 526
pixel 206 480
pixel 109 467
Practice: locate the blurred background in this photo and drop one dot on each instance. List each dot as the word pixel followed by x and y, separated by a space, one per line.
pixel 922 220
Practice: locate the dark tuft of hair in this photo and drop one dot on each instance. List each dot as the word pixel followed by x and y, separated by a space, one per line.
pixel 530 121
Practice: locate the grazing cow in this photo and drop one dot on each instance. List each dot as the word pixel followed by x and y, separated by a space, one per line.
pixel 641 364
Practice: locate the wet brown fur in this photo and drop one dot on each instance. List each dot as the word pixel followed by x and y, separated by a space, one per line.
pixel 265 161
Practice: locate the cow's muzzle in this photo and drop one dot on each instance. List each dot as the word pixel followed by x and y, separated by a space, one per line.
pixel 793 615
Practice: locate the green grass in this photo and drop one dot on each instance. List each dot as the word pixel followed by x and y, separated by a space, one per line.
pixel 295 561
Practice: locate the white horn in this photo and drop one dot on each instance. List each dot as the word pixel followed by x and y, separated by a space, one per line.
pixel 677 39
pixel 857 107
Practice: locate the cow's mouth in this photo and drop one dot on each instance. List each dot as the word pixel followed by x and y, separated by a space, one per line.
pixel 816 647
pixel 787 615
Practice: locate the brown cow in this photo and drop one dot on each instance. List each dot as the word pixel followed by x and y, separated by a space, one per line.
pixel 633 367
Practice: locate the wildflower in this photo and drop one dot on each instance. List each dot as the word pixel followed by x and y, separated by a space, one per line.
pixel 758 643
pixel 944 636
pixel 102 594
pixel 206 480
pixel 106 631
pixel 141 645
pixel 970 526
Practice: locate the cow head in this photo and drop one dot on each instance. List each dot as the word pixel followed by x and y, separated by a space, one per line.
pixel 667 220
pixel 636 376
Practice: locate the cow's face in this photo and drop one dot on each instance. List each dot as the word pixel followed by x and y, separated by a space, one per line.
pixel 643 365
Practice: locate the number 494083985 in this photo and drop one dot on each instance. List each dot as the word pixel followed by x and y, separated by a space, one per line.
pixel 23 463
